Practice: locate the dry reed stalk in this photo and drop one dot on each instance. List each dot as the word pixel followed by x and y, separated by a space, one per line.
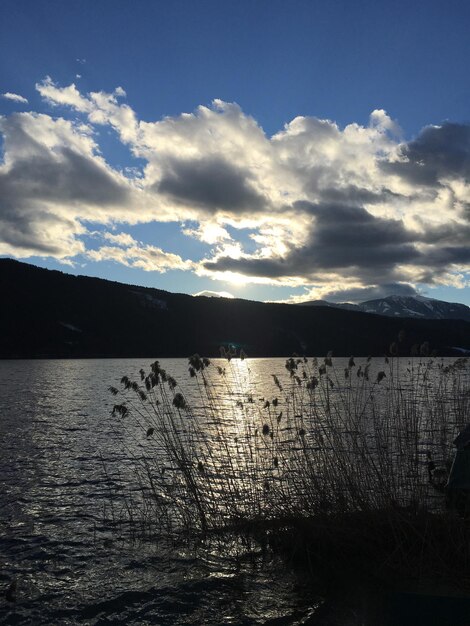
pixel 332 446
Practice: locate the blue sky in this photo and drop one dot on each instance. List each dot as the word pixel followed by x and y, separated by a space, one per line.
pixel 273 150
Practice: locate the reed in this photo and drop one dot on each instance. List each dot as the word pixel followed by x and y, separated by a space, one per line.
pixel 351 461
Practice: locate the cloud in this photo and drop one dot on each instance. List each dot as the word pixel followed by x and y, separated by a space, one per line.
pixel 208 232
pixel 146 257
pixel 66 96
pixel 346 240
pixel 351 210
pixel 14 97
pixel 437 153
pixel 120 239
pixel 359 294
pixel 52 178
pixel 354 195
pixel 101 107
pixel 212 184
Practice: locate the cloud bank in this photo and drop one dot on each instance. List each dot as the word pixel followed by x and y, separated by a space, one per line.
pixel 344 212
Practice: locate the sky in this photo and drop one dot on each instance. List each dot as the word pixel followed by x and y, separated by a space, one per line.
pixel 277 151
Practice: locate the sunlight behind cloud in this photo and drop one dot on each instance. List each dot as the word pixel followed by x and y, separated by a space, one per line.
pixel 358 207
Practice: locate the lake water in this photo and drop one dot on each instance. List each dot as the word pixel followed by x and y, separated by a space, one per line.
pixel 69 566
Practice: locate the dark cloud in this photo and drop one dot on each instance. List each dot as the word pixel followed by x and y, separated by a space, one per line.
pixel 356 196
pixel 23 227
pixel 65 176
pixel 343 239
pixel 269 268
pixel 57 179
pixel 25 230
pixel 437 152
pixel 212 184
pixel 448 255
pixel 353 227
pixel 453 233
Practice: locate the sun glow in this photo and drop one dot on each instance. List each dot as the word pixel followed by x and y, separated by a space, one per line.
pixel 236 279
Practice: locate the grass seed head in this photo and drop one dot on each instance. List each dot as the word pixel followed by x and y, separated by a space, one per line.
pixel 179 402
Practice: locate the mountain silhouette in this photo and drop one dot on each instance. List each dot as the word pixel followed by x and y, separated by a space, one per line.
pixel 50 314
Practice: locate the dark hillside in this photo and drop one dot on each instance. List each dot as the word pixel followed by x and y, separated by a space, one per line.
pixel 51 314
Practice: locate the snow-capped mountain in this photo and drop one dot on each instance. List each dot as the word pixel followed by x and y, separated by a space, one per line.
pixel 416 306
pixel 405 306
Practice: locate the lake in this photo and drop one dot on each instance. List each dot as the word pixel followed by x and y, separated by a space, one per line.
pixel 70 566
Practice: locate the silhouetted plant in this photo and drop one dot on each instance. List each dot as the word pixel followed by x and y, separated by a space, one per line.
pixel 329 447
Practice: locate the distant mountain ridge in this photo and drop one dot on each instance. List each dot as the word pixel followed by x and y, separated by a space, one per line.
pixel 418 307
pixel 49 314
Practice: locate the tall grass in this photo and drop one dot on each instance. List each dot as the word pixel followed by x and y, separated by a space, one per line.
pixel 354 458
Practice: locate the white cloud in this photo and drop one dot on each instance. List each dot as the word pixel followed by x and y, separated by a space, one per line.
pixel 355 207
pixel 66 96
pixel 146 257
pixel 120 239
pixel 208 232
pixel 14 97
